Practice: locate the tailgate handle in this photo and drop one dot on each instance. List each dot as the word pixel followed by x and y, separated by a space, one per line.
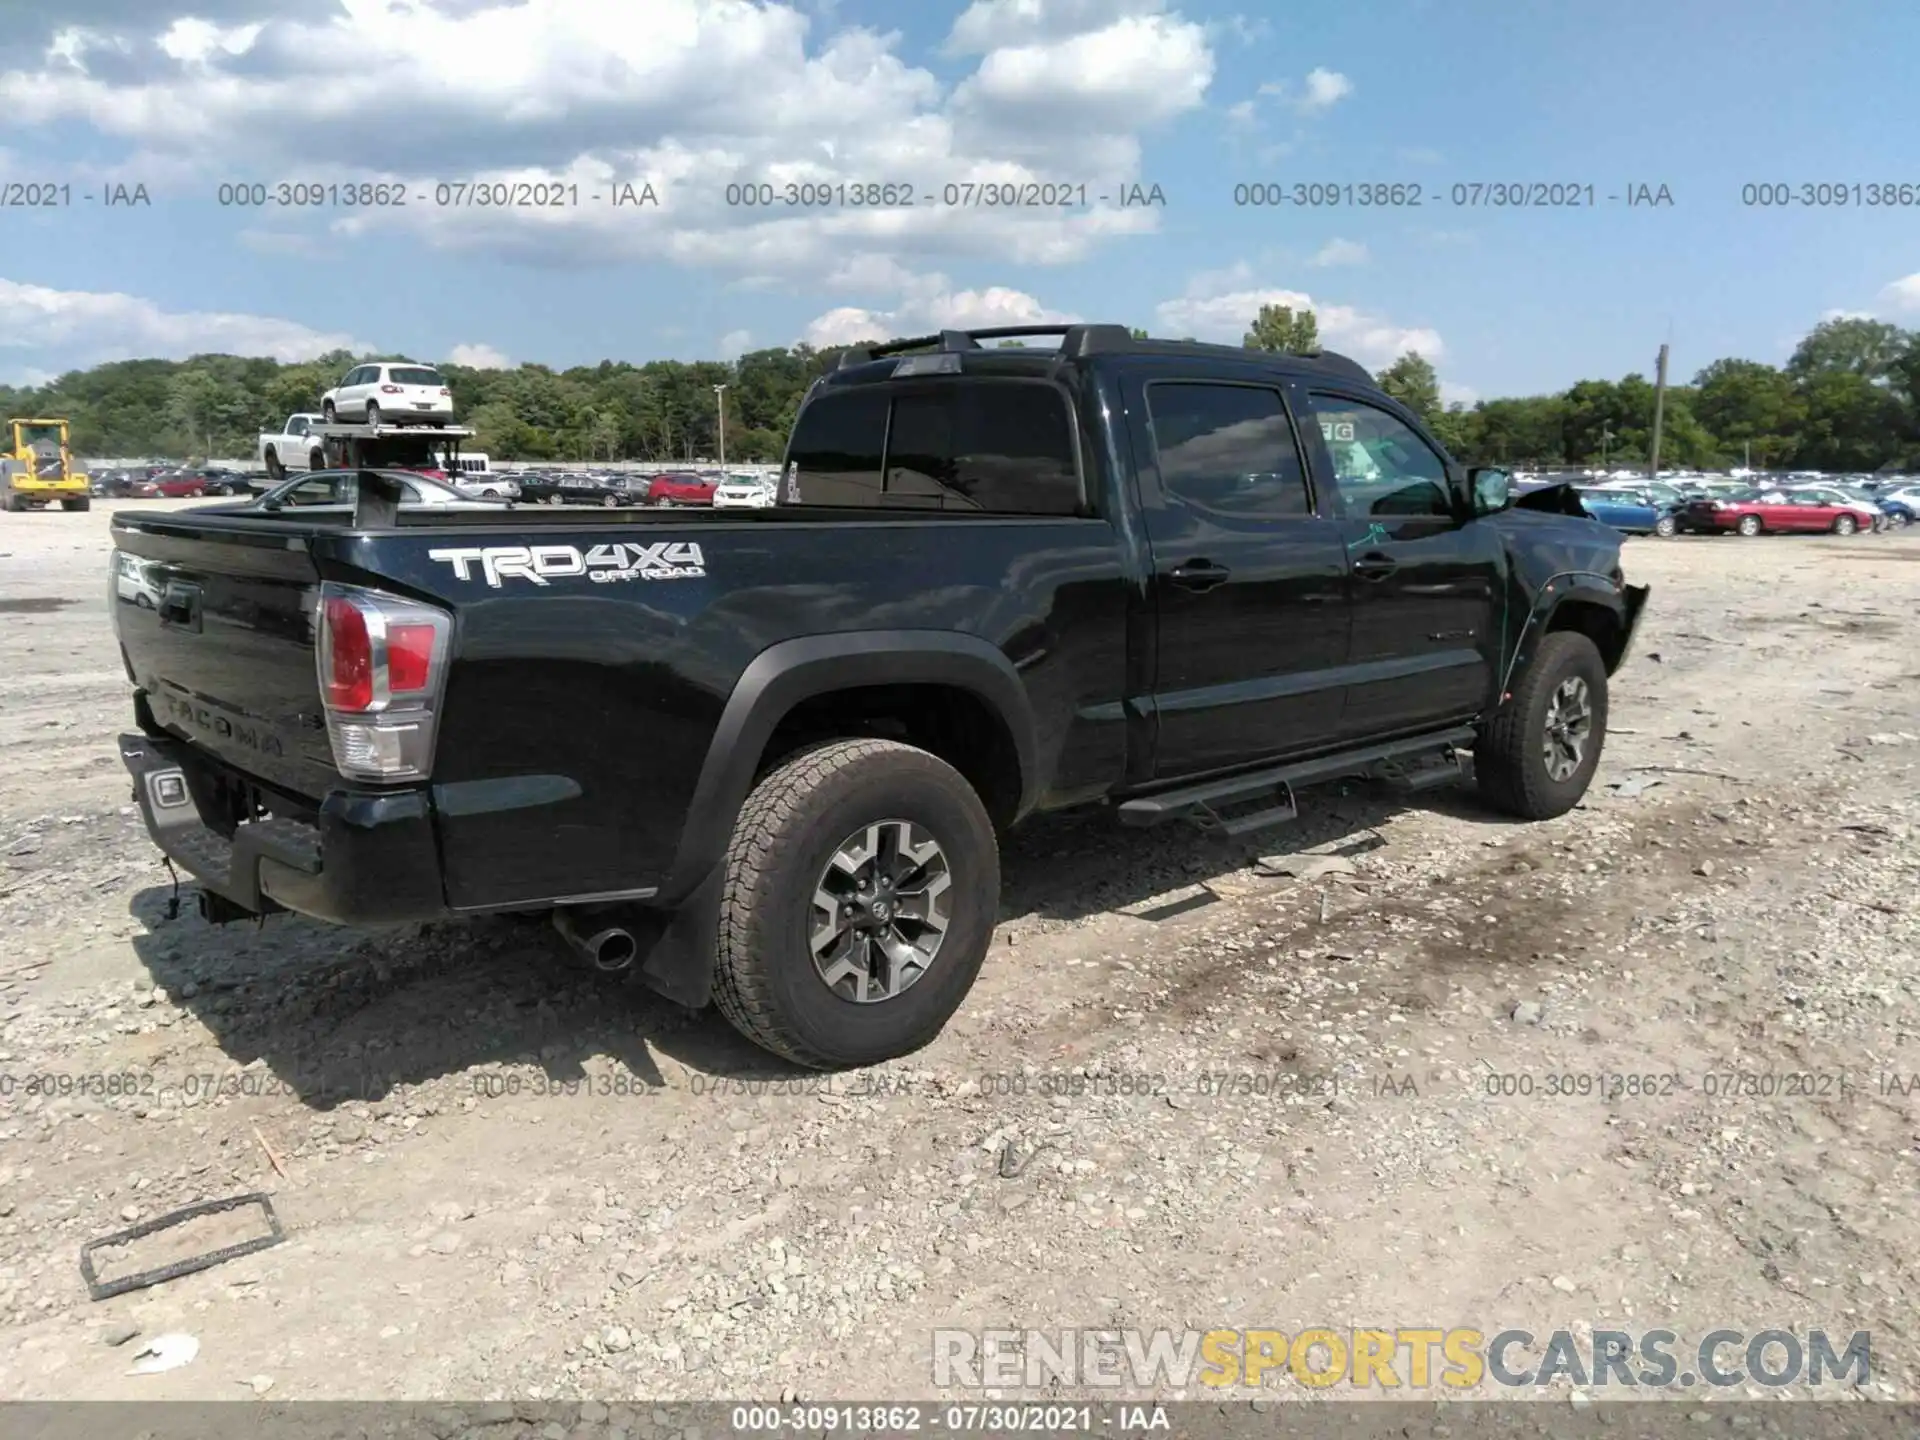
pixel 180 605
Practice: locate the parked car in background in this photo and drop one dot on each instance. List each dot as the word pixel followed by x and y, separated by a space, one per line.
pixel 390 393
pixel 1864 508
pixel 488 485
pixel 125 484
pixel 745 492
pixel 681 489
pixel 1631 512
pixel 333 493
pixel 188 483
pixel 1761 512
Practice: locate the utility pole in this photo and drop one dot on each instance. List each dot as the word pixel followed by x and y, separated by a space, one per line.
pixel 1606 441
pixel 1659 413
pixel 720 398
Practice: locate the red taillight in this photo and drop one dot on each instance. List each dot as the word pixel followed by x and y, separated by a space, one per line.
pixel 410 658
pixel 445 391
pixel 349 657
pixel 389 389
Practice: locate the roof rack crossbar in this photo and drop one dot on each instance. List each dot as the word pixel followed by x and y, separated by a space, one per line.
pixel 1076 342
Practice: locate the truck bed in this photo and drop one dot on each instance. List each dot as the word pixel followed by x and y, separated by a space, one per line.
pixel 595 653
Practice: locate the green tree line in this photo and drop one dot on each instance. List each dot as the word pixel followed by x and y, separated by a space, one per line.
pixel 1847 399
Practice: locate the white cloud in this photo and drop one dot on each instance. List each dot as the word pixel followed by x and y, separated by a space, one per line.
pixel 995 24
pixel 73 329
pixel 1902 294
pixel 928 303
pixel 1241 113
pixel 734 344
pixel 1325 89
pixel 1220 305
pixel 478 357
pixel 1340 252
pixel 1452 394
pixel 690 95
pixel 195 42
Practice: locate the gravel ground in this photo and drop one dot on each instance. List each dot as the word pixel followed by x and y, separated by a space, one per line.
pixel 1287 1112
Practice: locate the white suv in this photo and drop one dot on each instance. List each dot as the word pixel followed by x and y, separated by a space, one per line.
pixel 745 492
pixel 390 393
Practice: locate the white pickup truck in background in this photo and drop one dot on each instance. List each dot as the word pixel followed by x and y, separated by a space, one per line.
pixel 293 448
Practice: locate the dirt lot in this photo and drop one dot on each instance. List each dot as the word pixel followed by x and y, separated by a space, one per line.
pixel 687 1219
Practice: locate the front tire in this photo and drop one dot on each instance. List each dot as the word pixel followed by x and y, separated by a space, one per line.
pixel 1537 756
pixel 373 413
pixel 276 472
pixel 798 976
pixel 328 413
pixel 1749 525
pixel 1666 527
pixel 84 502
pixel 1845 525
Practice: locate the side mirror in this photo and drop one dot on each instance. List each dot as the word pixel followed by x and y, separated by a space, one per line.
pixel 1491 488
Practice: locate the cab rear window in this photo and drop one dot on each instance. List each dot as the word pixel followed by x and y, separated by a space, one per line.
pixel 990 447
pixel 404 376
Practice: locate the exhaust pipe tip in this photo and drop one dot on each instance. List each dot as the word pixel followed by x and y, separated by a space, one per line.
pixel 611 950
pixel 608 951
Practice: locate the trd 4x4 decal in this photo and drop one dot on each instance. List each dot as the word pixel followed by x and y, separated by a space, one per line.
pixel 539 564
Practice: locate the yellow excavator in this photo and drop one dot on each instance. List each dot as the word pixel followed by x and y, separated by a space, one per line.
pixel 36 468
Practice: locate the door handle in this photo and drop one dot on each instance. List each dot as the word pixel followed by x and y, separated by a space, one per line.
pixel 1198 575
pixel 1375 566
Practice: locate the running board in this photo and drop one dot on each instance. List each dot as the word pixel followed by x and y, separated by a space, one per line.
pixel 1241 804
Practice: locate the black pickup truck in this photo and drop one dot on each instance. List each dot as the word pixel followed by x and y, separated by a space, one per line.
pixel 761 757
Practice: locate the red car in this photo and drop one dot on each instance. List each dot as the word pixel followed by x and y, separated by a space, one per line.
pixel 191 484
pixel 1754 512
pixel 681 490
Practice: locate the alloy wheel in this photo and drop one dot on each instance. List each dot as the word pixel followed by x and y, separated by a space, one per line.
pixel 881 909
pixel 1568 728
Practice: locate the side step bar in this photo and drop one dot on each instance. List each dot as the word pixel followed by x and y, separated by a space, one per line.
pixel 1241 804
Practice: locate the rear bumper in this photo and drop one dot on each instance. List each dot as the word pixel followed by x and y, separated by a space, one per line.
pixel 368 860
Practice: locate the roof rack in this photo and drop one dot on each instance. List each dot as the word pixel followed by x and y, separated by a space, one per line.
pixel 1077 341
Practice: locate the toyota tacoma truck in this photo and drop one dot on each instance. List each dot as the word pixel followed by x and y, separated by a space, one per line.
pixel 1176 580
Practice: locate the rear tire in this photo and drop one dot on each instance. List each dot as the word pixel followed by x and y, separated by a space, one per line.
pixel 1750 525
pixel 329 414
pixel 373 413
pixel 1666 527
pixel 792 826
pixel 276 472
pixel 1845 525
pixel 1510 761
pixel 84 502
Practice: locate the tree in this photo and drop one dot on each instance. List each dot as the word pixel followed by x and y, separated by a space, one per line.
pixel 1277 328
pixel 1750 407
pixel 1412 381
pixel 1139 334
pixel 1867 348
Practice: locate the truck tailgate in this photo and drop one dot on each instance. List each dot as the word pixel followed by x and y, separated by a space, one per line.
pixel 216 622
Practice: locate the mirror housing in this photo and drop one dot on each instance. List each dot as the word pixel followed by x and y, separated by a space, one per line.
pixel 1490 489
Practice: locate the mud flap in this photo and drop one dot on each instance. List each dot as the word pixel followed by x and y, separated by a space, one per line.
pixel 676 947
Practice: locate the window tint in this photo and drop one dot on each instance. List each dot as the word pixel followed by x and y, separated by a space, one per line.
pixel 1000 448
pixel 1228 449
pixel 834 456
pixel 415 375
pixel 1383 466
pixel 321 490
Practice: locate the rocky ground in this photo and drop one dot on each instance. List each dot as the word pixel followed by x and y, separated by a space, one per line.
pixel 1324 1097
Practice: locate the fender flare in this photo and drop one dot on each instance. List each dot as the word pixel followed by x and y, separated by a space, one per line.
pixel 1583 586
pixel 784 675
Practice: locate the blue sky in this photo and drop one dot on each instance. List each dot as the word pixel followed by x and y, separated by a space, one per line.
pixel 1196 98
